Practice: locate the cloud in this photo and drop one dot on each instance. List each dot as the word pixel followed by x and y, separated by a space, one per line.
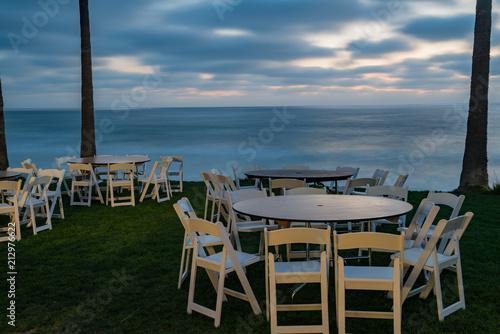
pixel 441 29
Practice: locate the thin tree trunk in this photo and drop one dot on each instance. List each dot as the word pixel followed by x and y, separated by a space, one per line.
pixel 4 159
pixel 87 146
pixel 475 161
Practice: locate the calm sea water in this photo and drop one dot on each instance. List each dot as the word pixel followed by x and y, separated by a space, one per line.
pixel 426 141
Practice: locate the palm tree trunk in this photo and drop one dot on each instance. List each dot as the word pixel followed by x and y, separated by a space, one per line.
pixel 4 159
pixel 475 162
pixel 87 146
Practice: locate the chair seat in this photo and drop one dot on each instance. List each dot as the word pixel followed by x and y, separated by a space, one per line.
pixel 254 226
pixel 6 208
pixel 412 255
pixel 244 258
pixel 206 240
pixel 35 202
pixel 360 273
pixel 298 267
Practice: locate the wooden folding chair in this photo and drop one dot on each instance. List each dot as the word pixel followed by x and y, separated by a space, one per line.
pixel 157 177
pixel 83 178
pixel 224 262
pixel 308 271
pixel 13 228
pixel 183 207
pixel 429 259
pixel 125 183
pixel 367 277
pixel 54 196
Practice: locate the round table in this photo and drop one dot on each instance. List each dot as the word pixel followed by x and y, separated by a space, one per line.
pixel 7 175
pixel 309 175
pixel 110 160
pixel 323 208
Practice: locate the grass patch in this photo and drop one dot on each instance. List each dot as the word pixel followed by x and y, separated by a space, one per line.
pixel 115 270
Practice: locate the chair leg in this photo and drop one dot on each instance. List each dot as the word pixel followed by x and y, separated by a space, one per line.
pixel 220 297
pixel 206 207
pixel 341 308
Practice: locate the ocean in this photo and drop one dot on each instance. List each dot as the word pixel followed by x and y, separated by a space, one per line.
pixel 426 141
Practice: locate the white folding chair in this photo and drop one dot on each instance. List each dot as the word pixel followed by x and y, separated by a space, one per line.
pixel 67 176
pixel 13 228
pixel 335 185
pixel 239 225
pixel 183 207
pixel 222 183
pixel 430 260
pixel 35 199
pixel 393 192
pixel 401 180
pixel 211 195
pixel 140 169
pixel 381 174
pixel 283 184
pixel 352 186
pixel 158 178
pixel 448 199
pixel 367 277
pixel 240 171
pixel 54 196
pixel 29 164
pixel 125 183
pixel 223 262
pixel 308 271
pixel 175 169
pixel 83 178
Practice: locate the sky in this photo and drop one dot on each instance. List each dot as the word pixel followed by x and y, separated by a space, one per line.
pixel 208 53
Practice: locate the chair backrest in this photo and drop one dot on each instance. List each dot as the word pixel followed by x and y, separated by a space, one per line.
pixel 283 184
pixel 374 240
pixel 121 167
pixel 180 160
pixel 362 182
pixel 244 194
pixel 223 184
pixel 55 174
pixel 208 183
pixel 184 207
pixel 353 170
pixel 80 167
pixel 421 222
pixel 174 161
pixel 27 174
pixel 12 187
pixel 240 171
pixel 29 164
pixel 197 227
pixel 38 185
pixel 453 231
pixel 301 167
pixel 401 180
pixel 299 236
pixel 453 201
pixel 63 160
pixel 381 174
pixel 305 191
pixel 388 191
pixel 238 196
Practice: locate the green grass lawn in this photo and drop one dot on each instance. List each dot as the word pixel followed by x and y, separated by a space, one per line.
pixel 115 270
